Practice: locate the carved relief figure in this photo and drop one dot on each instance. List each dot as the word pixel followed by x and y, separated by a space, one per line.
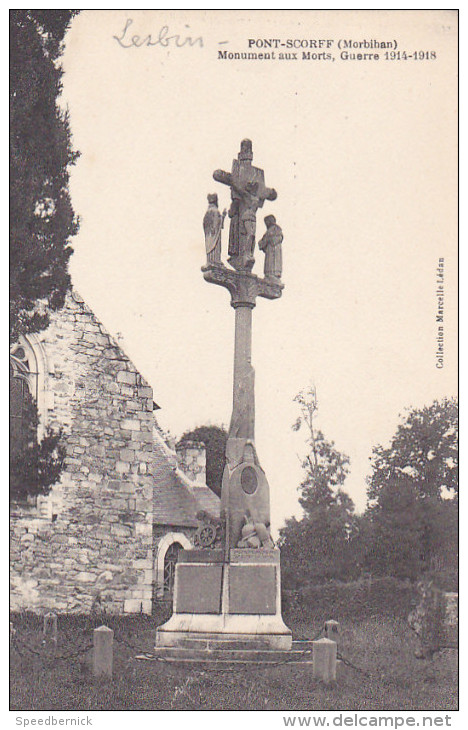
pixel 213 223
pixel 254 534
pixel 270 244
pixel 242 213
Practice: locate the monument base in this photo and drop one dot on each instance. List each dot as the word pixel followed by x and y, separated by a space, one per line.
pixel 200 631
pixel 298 654
pixel 226 606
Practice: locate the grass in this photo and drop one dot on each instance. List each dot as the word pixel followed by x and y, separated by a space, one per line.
pixel 383 647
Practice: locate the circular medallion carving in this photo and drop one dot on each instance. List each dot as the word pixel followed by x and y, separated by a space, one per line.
pixel 205 536
pixel 249 481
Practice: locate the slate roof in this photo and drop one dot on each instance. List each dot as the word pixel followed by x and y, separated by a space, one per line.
pixel 207 500
pixel 176 500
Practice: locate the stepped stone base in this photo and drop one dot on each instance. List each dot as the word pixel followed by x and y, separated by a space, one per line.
pixel 176 654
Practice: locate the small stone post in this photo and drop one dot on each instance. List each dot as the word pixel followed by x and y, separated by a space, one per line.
pixel 103 653
pixel 50 622
pixel 324 660
pixel 332 631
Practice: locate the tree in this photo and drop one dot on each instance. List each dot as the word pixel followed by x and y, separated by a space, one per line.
pixel 41 215
pixel 412 495
pixel 395 531
pixel 423 450
pixel 42 219
pixel 215 439
pixel 34 465
pixel 319 546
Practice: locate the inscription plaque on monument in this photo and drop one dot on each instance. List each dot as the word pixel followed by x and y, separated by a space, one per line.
pixel 252 589
pixel 198 588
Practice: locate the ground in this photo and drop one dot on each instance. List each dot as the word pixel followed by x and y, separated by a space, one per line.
pixel 47 678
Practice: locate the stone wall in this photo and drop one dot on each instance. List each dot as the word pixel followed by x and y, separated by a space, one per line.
pixel 91 540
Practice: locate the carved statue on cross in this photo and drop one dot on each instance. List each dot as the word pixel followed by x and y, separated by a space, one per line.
pixel 248 194
pixel 270 244
pixel 212 225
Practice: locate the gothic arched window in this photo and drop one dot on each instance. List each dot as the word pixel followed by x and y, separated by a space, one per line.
pixel 170 560
pixel 23 387
pixel 29 461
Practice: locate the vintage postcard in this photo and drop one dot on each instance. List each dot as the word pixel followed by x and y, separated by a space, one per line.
pixel 233 363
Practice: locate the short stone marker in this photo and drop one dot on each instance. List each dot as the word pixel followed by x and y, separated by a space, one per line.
pixel 103 654
pixel 50 624
pixel 332 631
pixel 324 660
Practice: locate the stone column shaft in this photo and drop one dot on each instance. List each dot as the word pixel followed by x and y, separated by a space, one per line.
pixel 243 405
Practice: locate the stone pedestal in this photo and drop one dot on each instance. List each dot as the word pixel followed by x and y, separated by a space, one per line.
pixel 226 605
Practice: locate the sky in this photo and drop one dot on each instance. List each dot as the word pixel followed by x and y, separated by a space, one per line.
pixel 363 155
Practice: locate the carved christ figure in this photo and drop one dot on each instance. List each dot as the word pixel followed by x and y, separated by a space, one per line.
pixel 213 223
pixel 248 194
pixel 270 244
pixel 242 213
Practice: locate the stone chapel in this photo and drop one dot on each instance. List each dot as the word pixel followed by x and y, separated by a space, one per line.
pixel 109 531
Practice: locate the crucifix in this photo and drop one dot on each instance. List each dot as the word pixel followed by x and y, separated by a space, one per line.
pixel 245 499
pixel 248 194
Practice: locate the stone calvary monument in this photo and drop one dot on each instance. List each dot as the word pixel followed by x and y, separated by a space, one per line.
pixel 227 591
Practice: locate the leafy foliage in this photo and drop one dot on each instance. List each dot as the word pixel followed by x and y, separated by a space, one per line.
pixel 326 468
pixel 34 466
pixel 412 524
pixel 394 544
pixel 215 439
pixel 41 215
pixel 42 219
pixel 320 546
pixel 350 600
pixel 424 451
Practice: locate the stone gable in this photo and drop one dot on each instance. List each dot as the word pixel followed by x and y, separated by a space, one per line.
pixel 96 538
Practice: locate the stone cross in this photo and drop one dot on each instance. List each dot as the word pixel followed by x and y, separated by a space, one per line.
pixel 248 193
pixel 233 594
pixel 245 500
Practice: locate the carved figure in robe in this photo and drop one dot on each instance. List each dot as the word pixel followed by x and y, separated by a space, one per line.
pixel 213 223
pixel 270 244
pixel 233 214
